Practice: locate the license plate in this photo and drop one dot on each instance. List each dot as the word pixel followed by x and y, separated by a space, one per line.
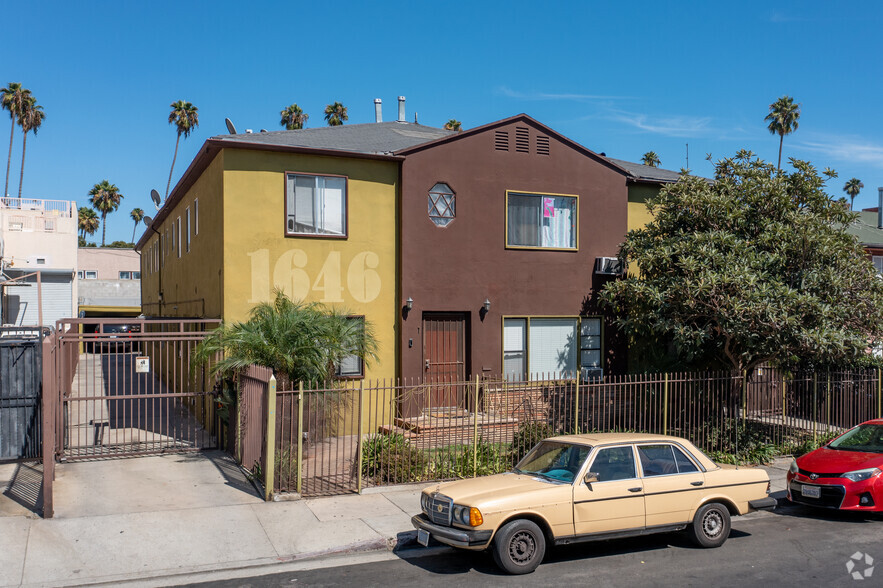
pixel 811 492
pixel 423 537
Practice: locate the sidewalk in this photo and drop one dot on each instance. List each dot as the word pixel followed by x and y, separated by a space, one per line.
pixel 185 515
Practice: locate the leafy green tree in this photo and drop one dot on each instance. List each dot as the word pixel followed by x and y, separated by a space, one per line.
pixel 300 341
pixel 185 117
pixel 650 158
pixel 293 117
pixel 12 98
pixel 30 120
pixel 753 267
pixel 105 197
pixel 335 114
pixel 852 187
pixel 783 117
pixel 137 215
pixel 453 125
pixel 87 221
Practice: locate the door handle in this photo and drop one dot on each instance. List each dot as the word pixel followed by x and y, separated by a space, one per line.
pixel 696 483
pixel 635 489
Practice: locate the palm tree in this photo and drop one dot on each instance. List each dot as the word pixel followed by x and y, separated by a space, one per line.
pixel 186 118
pixel 30 119
pixel 293 117
pixel 650 158
pixel 12 98
pixel 335 114
pixel 852 188
pixel 137 215
pixel 300 341
pixel 783 120
pixel 87 221
pixel 453 125
pixel 105 197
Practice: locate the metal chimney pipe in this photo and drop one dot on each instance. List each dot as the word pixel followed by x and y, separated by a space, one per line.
pixel 880 208
pixel 378 111
pixel 402 109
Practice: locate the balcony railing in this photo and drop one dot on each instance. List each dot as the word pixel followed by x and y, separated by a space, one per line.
pixel 62 208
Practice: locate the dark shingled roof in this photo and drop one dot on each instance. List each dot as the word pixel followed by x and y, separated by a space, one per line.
pixel 647 173
pixel 374 138
pixel 865 228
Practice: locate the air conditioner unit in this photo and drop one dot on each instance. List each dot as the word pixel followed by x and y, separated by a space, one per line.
pixel 608 266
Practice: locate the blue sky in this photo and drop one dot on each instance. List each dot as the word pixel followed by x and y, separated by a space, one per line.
pixel 617 77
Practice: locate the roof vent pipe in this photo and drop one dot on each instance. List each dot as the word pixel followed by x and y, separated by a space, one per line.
pixel 880 209
pixel 402 109
pixel 378 111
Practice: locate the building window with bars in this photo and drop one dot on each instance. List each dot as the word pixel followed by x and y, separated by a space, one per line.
pixel 442 205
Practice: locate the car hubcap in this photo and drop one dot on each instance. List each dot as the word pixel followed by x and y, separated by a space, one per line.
pixel 712 523
pixel 522 547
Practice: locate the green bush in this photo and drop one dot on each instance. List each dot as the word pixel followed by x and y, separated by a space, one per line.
pixel 391 459
pixel 528 435
pixel 808 444
pixel 466 461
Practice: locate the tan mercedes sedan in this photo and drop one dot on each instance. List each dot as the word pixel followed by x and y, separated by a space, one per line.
pixel 591 487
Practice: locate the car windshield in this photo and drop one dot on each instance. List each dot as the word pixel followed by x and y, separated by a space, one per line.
pixel 867 438
pixel 554 460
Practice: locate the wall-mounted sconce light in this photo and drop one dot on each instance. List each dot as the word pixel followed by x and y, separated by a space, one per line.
pixel 409 304
pixel 485 308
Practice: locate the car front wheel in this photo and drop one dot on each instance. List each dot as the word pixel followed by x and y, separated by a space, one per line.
pixel 711 525
pixel 519 547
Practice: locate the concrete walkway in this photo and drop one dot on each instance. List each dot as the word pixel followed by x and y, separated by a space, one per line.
pixel 174 519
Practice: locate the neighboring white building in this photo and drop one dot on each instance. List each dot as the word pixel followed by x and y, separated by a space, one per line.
pixel 108 282
pixel 37 236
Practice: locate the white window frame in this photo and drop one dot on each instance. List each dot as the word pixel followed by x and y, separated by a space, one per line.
pixel 511 347
pixel 352 374
pixel 318 204
pixel 178 227
pixel 195 216
pixel 187 242
pixel 93 276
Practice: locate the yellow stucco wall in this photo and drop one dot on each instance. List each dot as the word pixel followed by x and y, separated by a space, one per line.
pixel 192 284
pixel 638 215
pixel 357 273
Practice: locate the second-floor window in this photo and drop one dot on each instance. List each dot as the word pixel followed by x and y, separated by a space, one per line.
pixel 541 221
pixel 315 205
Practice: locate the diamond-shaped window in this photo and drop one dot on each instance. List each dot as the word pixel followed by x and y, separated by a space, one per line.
pixel 442 205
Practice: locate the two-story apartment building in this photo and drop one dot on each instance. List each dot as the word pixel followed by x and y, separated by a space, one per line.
pixel 108 282
pixel 471 253
pixel 37 236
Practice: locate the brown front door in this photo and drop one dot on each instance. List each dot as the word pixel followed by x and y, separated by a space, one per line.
pixel 444 357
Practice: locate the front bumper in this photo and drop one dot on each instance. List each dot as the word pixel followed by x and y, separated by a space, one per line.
pixel 841 495
pixel 451 535
pixel 768 503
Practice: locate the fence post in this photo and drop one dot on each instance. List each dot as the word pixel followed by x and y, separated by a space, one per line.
pixel 744 395
pixel 784 400
pixel 815 407
pixel 300 434
pixel 879 396
pixel 665 406
pixel 475 429
pixel 828 404
pixel 270 465
pixel 361 440
pixel 576 404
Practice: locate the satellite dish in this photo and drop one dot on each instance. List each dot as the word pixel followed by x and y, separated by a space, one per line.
pixel 147 220
pixel 154 195
pixel 230 126
pixel 263 130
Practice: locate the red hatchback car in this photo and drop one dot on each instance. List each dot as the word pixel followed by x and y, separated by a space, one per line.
pixel 844 474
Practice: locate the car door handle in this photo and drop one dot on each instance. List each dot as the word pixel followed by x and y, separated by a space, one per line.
pixel 635 489
pixel 699 483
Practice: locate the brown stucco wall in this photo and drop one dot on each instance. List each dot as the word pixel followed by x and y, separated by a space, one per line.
pixel 456 267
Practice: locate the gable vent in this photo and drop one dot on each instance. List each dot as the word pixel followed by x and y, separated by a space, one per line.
pixel 522 140
pixel 501 140
pixel 542 145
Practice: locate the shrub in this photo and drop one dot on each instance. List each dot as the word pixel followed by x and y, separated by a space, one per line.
pixel 466 461
pixel 808 444
pixel 529 434
pixel 391 459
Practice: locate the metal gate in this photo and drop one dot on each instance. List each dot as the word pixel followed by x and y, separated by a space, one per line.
pixel 129 387
pixel 20 376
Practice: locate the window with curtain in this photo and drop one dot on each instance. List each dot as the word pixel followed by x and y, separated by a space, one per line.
pixel 539 220
pixel 315 205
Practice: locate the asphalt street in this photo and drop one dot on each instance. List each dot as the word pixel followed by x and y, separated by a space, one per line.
pixel 793 545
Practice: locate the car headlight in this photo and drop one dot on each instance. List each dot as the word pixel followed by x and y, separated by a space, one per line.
pixel 859 475
pixel 466 515
pixel 425 502
pixel 793 469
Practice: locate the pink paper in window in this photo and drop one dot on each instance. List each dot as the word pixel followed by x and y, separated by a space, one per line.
pixel 548 207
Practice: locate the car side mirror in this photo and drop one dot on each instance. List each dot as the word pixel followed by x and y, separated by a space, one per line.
pixel 590 477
